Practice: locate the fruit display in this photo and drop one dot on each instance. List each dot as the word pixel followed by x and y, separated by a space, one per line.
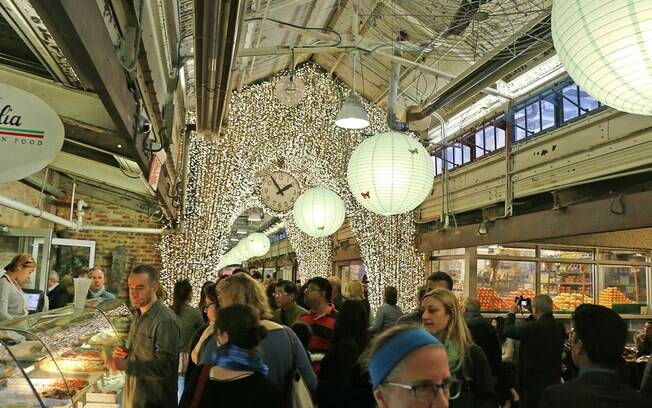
pixel 569 301
pixel 612 295
pixel 490 300
pixel 526 293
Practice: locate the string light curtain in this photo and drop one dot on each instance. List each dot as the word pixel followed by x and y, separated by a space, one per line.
pixel 262 132
pixel 606 47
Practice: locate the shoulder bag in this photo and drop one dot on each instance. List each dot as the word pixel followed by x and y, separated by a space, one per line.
pixel 297 394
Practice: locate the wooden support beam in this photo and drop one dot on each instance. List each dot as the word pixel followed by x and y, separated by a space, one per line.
pixel 586 218
pixel 80 31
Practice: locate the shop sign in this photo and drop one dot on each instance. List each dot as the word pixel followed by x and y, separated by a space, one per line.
pixel 31 134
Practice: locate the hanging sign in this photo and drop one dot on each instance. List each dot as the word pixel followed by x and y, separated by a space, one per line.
pixel 31 134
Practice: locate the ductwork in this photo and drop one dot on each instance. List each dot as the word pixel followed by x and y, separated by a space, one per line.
pixel 392 120
pixel 217 27
pixel 74 225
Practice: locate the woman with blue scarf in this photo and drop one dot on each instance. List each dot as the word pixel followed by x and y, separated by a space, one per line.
pixel 237 377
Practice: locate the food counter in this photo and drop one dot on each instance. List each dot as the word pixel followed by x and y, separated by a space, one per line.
pixel 56 358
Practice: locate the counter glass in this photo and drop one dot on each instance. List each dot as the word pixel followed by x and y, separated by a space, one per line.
pixel 60 355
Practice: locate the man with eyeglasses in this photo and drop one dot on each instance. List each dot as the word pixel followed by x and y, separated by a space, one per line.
pixel 409 369
pixel 597 344
pixel 322 315
pixel 288 311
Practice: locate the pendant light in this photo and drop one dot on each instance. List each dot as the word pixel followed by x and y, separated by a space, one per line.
pixel 606 47
pixel 352 115
pixel 319 212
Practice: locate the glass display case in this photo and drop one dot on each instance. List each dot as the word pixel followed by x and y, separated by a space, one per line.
pixel 57 358
pixel 501 281
pixel 623 280
pixel 452 262
pixel 568 284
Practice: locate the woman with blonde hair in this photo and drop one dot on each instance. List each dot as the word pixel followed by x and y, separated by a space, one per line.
pixel 355 290
pixel 281 348
pixel 467 362
pixel 17 273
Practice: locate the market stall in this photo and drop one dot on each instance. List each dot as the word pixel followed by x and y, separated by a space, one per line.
pixel 57 358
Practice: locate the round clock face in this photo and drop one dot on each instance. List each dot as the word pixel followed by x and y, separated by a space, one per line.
pixel 279 191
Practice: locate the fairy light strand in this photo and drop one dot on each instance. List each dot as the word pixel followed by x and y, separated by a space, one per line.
pixel 224 181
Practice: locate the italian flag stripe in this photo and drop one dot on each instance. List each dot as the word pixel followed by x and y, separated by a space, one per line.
pixel 21 134
pixel 37 132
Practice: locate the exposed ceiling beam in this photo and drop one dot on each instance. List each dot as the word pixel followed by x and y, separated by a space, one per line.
pixel 284 50
pixel 586 218
pixel 81 33
pixel 76 166
pixel 279 5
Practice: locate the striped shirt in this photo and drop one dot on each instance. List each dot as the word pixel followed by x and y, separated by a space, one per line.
pixel 322 329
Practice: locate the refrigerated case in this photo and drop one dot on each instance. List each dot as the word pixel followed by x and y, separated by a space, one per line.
pixel 56 358
pixel 617 278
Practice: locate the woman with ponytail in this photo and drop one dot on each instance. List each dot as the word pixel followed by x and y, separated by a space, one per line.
pixel 12 299
pixel 467 362
pixel 237 376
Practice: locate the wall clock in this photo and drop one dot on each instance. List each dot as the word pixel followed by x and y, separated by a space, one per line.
pixel 280 190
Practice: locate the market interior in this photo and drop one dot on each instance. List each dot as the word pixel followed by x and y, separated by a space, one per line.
pixel 506 143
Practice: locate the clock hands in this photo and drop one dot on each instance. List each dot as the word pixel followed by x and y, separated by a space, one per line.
pixel 277 186
pixel 284 189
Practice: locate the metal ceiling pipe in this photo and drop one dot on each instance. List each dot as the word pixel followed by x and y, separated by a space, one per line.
pixel 392 120
pixel 217 30
pixel 74 225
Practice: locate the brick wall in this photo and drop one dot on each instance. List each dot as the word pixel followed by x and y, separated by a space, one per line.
pixel 141 248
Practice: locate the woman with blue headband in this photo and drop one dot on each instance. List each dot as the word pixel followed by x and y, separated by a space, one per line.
pixel 408 369
pixel 467 362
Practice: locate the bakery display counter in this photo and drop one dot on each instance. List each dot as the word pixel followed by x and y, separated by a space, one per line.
pixel 57 358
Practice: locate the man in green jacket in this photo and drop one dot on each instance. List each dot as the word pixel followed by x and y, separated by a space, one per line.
pixel 285 296
pixel 151 357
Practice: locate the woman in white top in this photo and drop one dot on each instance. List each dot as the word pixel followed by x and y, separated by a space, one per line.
pixel 12 298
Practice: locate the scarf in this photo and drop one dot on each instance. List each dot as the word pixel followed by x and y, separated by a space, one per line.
pixel 239 359
pixel 97 294
pixel 455 361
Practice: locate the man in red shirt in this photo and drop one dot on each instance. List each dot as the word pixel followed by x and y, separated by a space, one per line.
pixel 322 314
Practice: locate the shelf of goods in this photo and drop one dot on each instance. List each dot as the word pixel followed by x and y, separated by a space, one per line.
pixel 57 358
pixel 490 300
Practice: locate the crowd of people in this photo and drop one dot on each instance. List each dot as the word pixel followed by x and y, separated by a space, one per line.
pixel 279 344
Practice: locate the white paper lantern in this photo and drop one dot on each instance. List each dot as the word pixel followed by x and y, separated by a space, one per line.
pixel 606 47
pixel 239 252
pixel 390 173
pixel 318 212
pixel 257 244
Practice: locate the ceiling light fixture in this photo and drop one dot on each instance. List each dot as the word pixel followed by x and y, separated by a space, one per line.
pixel 241 232
pixel 352 115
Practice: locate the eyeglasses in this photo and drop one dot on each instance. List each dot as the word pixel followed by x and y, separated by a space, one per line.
pixel 207 305
pixel 426 392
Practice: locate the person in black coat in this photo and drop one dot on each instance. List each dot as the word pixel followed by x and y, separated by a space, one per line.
pixel 57 294
pixel 342 381
pixel 483 334
pixel 597 343
pixel 542 340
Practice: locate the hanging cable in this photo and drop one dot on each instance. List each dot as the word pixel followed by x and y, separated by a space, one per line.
pixel 320 29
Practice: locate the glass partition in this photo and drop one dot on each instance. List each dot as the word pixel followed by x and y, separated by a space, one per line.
pixel 501 281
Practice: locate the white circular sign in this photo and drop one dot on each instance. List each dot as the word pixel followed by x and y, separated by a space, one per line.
pixel 31 134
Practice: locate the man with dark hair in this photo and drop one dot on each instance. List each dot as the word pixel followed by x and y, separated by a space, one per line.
pixel 542 340
pixel 414 317
pixel 151 357
pixel 322 315
pixel 597 344
pixel 439 279
pixel 483 334
pixel 288 311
